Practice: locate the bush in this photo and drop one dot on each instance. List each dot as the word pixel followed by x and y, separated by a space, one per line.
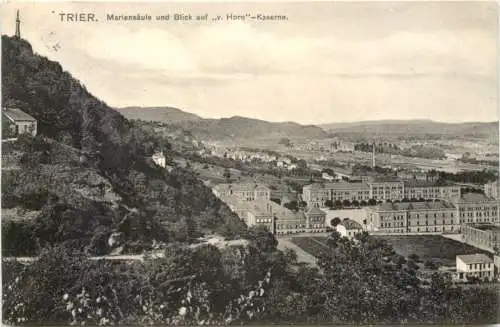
pixel 414 257
pixel 432 263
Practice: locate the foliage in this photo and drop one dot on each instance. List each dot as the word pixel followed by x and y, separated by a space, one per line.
pixel 89 170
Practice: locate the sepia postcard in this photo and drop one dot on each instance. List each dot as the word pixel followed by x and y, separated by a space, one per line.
pixel 250 163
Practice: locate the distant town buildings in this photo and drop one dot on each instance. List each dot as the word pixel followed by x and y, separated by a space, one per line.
pixel 251 203
pixel 436 216
pixel 419 175
pixel 413 217
pixel 243 191
pixel 429 190
pixel 477 208
pixel 19 122
pixel 474 265
pixel 317 194
pixel 378 189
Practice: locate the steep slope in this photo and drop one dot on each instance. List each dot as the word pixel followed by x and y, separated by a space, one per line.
pixel 89 172
pixel 168 115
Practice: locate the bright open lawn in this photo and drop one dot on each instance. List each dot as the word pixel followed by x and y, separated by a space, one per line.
pixel 430 246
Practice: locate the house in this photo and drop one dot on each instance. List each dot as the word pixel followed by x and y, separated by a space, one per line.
pixel 348 228
pixel 414 217
pixel 474 265
pixel 245 191
pixel 315 219
pixel 159 159
pixel 18 122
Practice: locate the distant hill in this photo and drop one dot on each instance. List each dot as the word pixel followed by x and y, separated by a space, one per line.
pixel 238 127
pixel 412 128
pixel 235 127
pixel 168 115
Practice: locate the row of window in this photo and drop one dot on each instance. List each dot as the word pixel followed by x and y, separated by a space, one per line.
pixel 479 266
pixel 443 215
pixel 418 229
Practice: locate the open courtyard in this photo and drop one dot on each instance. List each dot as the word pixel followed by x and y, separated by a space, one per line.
pixel 430 247
pixel 434 247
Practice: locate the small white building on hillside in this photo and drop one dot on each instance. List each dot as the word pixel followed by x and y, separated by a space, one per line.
pixel 159 159
pixel 18 122
pixel 474 265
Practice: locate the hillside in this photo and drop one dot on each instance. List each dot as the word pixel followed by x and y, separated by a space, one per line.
pixel 167 115
pixel 237 127
pixel 87 177
pixel 415 128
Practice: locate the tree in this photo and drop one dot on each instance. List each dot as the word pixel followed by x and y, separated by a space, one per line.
pixel 329 203
pixel 227 175
pixel 286 142
pixel 335 221
pixel 346 203
pixel 372 202
pixel 431 264
pixel 414 257
pixel 337 204
pixel 292 205
pixel 355 203
pixel 262 238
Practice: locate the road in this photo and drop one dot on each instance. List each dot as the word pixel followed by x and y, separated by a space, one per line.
pixel 302 256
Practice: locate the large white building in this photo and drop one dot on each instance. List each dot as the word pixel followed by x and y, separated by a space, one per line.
pixel 474 265
pixel 413 217
pixel 477 208
pixel 251 203
pixel 244 191
pixel 378 189
pixel 492 189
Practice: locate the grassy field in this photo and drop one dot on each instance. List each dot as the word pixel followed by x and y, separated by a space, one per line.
pixel 425 246
pixel 312 245
pixel 430 246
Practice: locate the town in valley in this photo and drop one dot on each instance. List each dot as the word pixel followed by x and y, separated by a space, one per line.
pixel 119 214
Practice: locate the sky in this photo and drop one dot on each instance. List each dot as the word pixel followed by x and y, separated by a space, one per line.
pixel 328 62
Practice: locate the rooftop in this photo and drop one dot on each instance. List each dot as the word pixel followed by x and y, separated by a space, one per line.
pixel 420 183
pixel 240 187
pixel 474 258
pixel 315 211
pixel 336 186
pixel 16 114
pixel 415 206
pixel 493 228
pixel 474 197
pixel 351 224
pixel 386 179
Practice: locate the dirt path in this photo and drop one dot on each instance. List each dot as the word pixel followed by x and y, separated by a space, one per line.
pixel 302 256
